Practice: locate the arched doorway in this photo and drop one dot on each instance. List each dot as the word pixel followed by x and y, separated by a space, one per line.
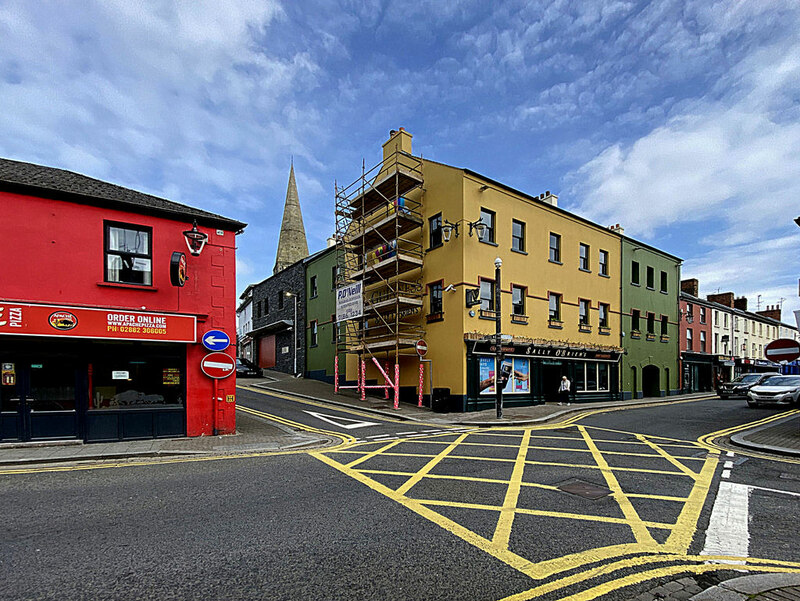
pixel 651 381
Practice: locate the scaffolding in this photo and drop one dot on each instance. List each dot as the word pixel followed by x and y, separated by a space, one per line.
pixel 379 241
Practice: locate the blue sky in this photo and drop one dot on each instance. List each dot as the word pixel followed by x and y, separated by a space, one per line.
pixel 677 119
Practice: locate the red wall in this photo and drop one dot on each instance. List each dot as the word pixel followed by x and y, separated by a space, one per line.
pixel 696 327
pixel 52 252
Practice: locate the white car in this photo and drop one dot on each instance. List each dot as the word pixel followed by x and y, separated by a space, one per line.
pixel 776 390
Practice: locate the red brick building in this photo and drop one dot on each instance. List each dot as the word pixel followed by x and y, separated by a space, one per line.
pixel 102 310
pixel 697 358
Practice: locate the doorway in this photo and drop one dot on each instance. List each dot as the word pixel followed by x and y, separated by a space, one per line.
pixel 651 381
pixel 551 379
pixel 38 398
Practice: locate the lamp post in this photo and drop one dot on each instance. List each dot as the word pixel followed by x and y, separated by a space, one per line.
pixel 292 294
pixel 498 343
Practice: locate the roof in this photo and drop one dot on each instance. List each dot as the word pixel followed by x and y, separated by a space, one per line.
pixel 720 307
pixel 59 184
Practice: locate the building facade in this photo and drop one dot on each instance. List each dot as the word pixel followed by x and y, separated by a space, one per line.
pixel 697 360
pixel 320 328
pixel 102 311
pixel 650 331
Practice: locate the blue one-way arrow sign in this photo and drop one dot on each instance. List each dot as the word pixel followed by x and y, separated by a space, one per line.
pixel 216 340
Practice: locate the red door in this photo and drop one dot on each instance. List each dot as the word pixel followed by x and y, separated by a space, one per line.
pixel 266 352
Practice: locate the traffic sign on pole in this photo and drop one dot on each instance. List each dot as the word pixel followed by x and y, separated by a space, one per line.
pixel 422 347
pixel 218 365
pixel 783 349
pixel 216 340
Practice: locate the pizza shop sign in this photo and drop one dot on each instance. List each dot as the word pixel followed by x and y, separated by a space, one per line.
pixel 80 322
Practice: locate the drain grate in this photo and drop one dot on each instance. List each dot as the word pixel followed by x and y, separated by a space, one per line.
pixel 583 489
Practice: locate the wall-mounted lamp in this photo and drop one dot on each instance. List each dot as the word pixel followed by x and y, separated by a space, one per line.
pixel 195 240
pixel 478 226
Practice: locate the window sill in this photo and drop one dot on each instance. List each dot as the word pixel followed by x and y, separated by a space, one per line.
pixel 313 345
pixel 520 319
pixel 636 335
pixel 604 331
pixel 489 242
pixel 651 337
pixel 635 284
pixel 604 275
pixel 665 339
pixel 142 287
pixel 586 328
pixel 434 317
pixel 555 262
pixel 555 324
pixel 663 292
pixel 488 314
pixel 521 252
pixel 584 270
pixel 653 288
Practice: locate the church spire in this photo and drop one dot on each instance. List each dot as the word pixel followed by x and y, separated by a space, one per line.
pixel 292 245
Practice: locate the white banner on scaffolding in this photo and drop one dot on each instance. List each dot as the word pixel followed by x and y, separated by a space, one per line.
pixel 349 302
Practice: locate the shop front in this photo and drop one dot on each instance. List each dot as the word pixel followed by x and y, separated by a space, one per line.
pixel 749 366
pixel 99 375
pixel 535 372
pixel 698 372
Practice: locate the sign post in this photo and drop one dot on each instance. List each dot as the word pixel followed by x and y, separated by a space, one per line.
pixel 422 349
pixel 217 366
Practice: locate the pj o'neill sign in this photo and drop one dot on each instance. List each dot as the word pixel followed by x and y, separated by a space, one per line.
pixel 349 302
pixel 23 319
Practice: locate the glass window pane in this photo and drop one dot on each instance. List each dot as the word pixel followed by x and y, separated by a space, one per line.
pixel 580 377
pixel 603 376
pixel 591 376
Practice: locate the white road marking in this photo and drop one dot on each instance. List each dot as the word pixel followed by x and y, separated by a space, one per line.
pixel 379 436
pixel 728 532
pixel 730 454
pixel 337 421
pixel 726 473
pixel 404 433
pixel 728 465
pixel 416 435
pixel 775 490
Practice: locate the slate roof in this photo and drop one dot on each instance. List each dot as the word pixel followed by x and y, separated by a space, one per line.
pixel 49 182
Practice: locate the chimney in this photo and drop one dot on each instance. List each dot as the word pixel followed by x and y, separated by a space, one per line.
pixel 331 241
pixel 549 198
pixel 773 312
pixel 399 140
pixel 617 228
pixel 724 298
pixel 740 303
pixel 690 286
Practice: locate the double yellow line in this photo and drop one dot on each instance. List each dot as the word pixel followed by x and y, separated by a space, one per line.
pixel 345 439
pixel 707 440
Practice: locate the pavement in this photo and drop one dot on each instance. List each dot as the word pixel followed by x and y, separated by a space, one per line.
pixel 255 435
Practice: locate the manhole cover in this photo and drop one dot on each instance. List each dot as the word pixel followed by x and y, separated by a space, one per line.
pixel 587 490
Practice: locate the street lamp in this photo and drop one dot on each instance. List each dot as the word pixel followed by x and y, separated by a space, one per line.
pixel 292 294
pixel 478 226
pixel 195 239
pixel 498 342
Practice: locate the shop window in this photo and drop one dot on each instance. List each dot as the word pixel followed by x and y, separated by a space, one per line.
pixel 603 267
pixel 518 368
pixel 435 298
pixel 592 377
pixel 313 333
pixel 435 231
pixel 144 376
pixel 554 307
pixel 313 286
pixel 555 248
pixel 602 315
pixel 583 257
pixel 583 312
pixel 487 217
pixel 664 282
pixel 635 273
pixel 518 300
pixel 517 235
pixel 129 254
pixel 651 278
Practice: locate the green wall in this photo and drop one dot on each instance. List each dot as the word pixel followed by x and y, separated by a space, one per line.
pixel 322 308
pixel 644 355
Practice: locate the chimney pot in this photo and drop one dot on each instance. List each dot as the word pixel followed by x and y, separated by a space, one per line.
pixel 392 132
pixel 547 193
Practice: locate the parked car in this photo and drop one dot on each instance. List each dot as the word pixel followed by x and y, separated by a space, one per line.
pixel 776 390
pixel 739 386
pixel 245 369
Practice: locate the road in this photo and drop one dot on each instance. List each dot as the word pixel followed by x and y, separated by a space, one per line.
pixel 597 506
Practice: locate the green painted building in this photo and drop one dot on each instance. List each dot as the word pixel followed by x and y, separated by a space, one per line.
pixel 649 325
pixel 321 315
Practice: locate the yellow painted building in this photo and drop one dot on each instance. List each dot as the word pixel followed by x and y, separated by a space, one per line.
pixel 560 291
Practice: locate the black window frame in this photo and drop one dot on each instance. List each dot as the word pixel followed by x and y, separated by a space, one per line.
pixel 554 253
pixel 602 262
pixel 518 241
pixel 435 239
pixel 489 231
pixel 490 300
pixel 603 310
pixel 651 323
pixel 636 318
pixel 312 284
pixel 436 298
pixel 635 279
pixel 313 338
pixel 651 277
pixel 280 299
pixel 664 325
pixel 551 315
pixel 107 225
pixel 583 259
pixel 584 308
pixel 334 276
pixel 664 282
pixel 518 308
